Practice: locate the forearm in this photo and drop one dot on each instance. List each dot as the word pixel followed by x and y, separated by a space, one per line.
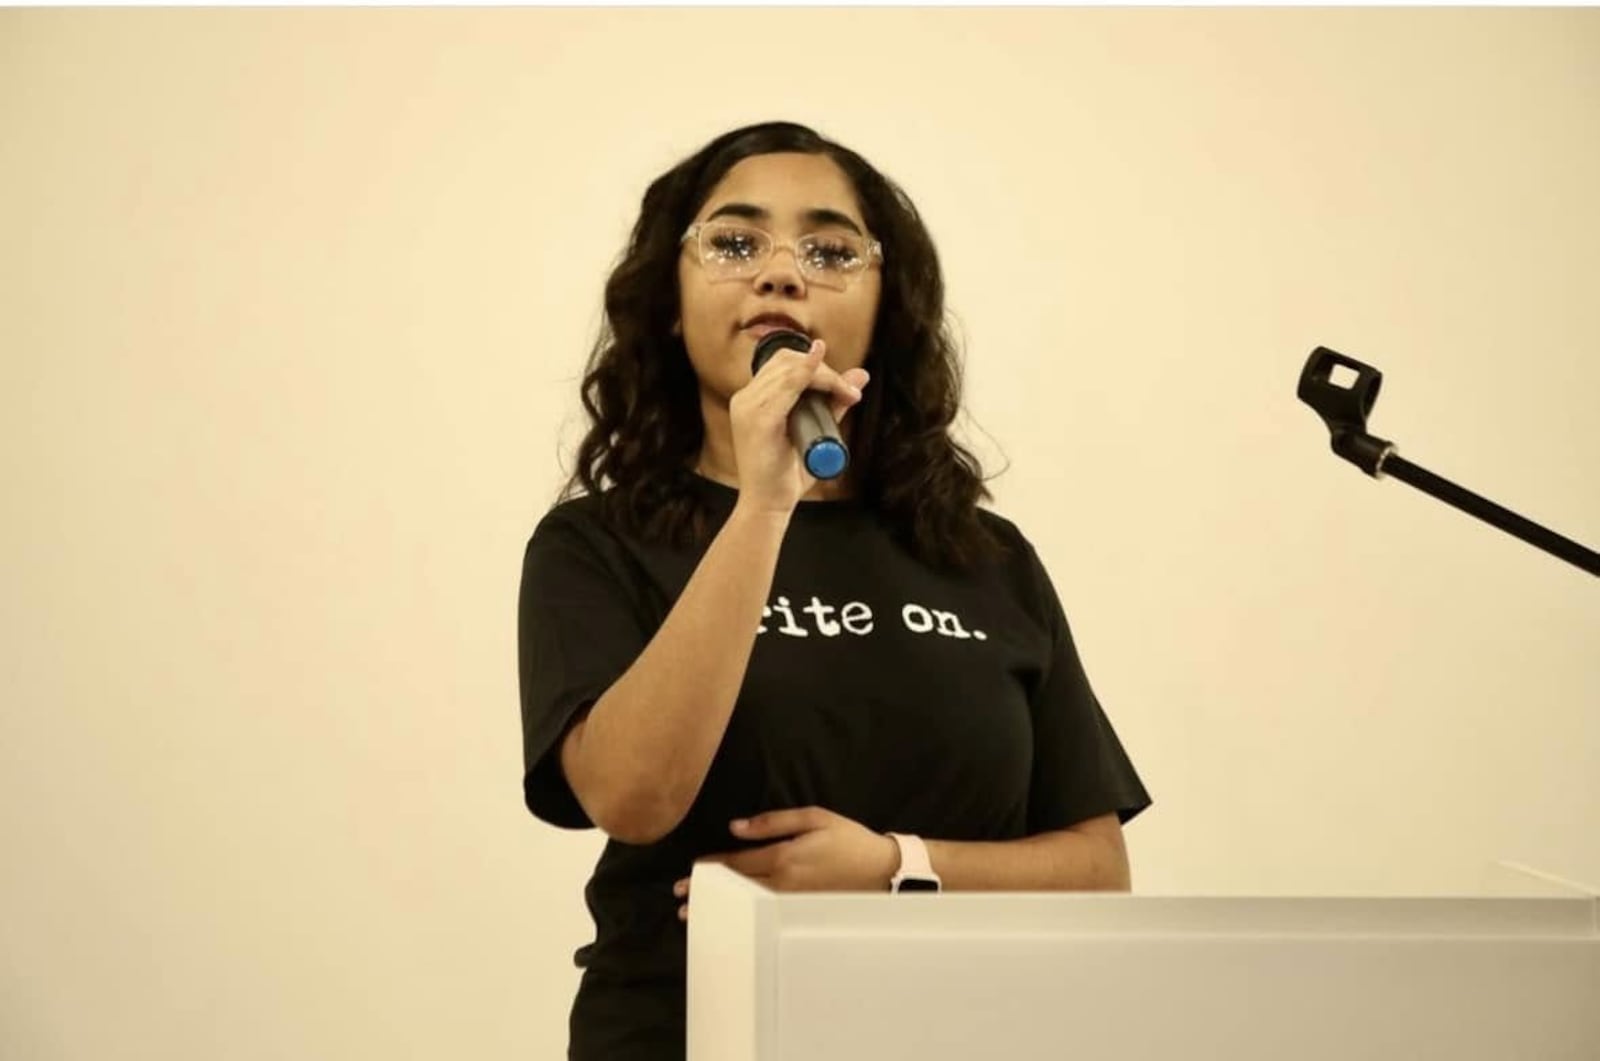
pixel 643 752
pixel 1061 860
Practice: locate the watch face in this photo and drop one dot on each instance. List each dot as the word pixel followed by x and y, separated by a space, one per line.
pixel 918 884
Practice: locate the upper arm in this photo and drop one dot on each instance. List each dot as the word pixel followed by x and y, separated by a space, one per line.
pixel 1104 827
pixel 1106 831
pixel 572 767
pixel 1081 772
pixel 579 628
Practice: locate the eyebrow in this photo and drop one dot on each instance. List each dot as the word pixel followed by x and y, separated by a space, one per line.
pixel 816 215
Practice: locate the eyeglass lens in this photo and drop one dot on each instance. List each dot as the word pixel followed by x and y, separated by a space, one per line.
pixel 740 250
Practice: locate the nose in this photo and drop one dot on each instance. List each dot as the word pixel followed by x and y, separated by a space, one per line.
pixel 781 273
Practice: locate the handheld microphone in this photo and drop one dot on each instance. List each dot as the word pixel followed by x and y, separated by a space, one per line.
pixel 811 425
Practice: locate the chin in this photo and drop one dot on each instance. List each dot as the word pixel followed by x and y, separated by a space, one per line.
pixel 718 392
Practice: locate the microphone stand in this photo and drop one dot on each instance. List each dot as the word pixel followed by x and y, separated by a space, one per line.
pixel 1344 410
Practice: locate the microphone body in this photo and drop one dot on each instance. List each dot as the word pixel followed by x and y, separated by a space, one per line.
pixel 811 425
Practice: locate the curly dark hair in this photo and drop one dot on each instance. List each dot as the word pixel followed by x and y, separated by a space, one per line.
pixel 641 393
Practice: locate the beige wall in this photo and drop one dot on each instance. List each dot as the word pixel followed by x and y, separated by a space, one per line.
pixel 292 307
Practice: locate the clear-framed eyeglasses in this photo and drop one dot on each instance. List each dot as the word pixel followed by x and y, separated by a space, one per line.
pixel 734 250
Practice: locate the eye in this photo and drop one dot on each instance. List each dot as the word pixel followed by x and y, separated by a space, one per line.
pixel 734 243
pixel 832 252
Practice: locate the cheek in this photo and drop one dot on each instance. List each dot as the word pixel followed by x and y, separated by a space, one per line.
pixel 855 337
pixel 707 305
pixel 707 337
pixel 694 317
pixel 702 335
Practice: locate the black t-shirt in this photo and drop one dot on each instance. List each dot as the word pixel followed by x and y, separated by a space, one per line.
pixel 951 706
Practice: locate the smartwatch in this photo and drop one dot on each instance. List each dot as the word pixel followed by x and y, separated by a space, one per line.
pixel 916 871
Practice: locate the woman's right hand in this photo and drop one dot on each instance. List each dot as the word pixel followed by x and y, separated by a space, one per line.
pixel 772 477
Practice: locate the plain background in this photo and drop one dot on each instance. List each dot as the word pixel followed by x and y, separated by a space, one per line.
pixel 293 306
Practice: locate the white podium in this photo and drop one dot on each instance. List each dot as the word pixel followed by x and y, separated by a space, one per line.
pixel 1510 974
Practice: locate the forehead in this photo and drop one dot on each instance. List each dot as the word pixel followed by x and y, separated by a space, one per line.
pixel 788 187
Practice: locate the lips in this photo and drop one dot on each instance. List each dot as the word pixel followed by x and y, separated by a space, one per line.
pixel 764 323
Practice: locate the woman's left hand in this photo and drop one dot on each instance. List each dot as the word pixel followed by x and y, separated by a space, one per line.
pixel 823 851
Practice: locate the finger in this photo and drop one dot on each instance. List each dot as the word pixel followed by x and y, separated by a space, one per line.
pixel 841 406
pixel 681 888
pixel 731 859
pixel 757 862
pixel 780 823
pixel 843 389
pixel 768 882
pixel 775 390
pixel 780 391
pixel 791 366
pixel 846 384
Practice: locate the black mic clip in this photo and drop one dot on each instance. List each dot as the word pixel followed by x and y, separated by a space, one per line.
pixel 1345 408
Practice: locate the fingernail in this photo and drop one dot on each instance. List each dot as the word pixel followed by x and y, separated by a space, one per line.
pixel 740 825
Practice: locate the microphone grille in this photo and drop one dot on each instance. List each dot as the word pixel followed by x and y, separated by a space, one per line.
pixel 772 342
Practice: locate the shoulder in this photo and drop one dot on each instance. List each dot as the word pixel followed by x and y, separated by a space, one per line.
pixel 1007 532
pixel 584 537
pixel 574 527
pixel 1018 564
pixel 582 513
pixel 1015 551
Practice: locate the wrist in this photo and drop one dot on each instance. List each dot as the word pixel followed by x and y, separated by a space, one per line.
pixel 915 872
pixel 748 511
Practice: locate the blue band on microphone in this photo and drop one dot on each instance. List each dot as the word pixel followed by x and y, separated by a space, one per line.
pixel 826 458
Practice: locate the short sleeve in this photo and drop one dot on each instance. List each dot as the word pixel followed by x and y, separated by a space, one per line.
pixel 1080 769
pixel 579 627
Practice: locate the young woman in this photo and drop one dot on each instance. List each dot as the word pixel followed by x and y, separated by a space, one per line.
pixel 856 683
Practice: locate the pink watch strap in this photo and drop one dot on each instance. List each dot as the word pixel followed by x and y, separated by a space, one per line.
pixel 914 861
